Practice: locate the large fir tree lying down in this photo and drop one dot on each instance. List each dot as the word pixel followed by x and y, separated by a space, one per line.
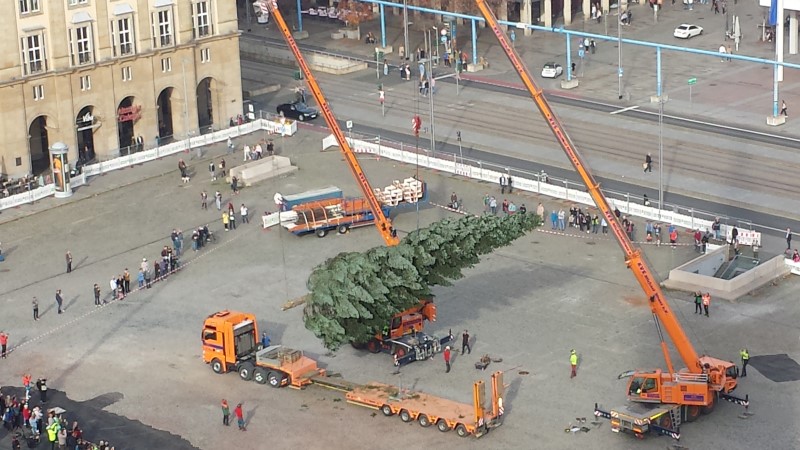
pixel 353 295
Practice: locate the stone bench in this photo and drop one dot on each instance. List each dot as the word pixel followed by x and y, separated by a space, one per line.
pixel 261 169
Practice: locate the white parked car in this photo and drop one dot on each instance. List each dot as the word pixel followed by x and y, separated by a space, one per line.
pixel 552 70
pixel 685 31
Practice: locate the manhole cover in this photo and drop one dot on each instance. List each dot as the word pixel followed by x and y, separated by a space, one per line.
pixel 524 372
pixel 591 243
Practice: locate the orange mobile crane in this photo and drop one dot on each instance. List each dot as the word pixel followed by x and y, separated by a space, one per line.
pixel 662 400
pixel 381 221
pixel 407 342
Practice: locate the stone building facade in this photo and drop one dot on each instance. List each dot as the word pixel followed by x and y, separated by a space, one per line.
pixel 108 77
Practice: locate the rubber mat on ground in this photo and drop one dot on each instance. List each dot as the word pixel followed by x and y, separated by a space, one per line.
pixel 778 368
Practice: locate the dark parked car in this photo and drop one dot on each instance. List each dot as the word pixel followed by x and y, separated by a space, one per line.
pixel 297 110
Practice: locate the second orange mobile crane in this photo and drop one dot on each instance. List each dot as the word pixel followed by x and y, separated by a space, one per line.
pixel 661 399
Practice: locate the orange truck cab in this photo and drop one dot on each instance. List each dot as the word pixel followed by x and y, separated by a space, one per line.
pixel 229 337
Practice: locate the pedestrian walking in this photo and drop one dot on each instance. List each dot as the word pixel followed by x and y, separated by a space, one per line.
pixel 510 182
pixel 446 354
pixel 493 205
pixel 745 359
pixel 788 239
pixel 222 167
pixel 698 302
pixel 706 302
pixel 573 362
pixel 232 220
pixel 648 163
pixel 234 185
pixel 3 343
pixel 218 200
pixel 783 108
pixel 240 417
pixel 465 342
pixel 722 50
pixel 59 300
pixel 243 211
pixel 68 257
pixel 230 146
pixel 96 294
pixel 226 413
pixel 35 304
pixel 728 47
pixel 246 150
pixel 503 183
pixel 225 220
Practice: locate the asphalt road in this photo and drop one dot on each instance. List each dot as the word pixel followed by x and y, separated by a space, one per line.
pixel 713 171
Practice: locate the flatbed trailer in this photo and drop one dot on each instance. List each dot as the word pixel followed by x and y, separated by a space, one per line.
pixel 429 410
pixel 280 366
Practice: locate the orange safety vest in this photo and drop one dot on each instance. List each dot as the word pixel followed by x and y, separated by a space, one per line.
pixel 706 299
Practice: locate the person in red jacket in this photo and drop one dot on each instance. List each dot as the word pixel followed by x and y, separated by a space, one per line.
pixel 240 417
pixel 447 358
pixel 3 342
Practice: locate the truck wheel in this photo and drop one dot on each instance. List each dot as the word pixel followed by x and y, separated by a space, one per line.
pixel 443 426
pixel 712 404
pixel 216 366
pixel 374 346
pixel 461 430
pixel 275 379
pixel 260 375
pixel 423 420
pixel 343 229
pixel 246 371
pixel 405 416
pixel 358 346
pixel 387 410
pixel 665 421
pixel 321 232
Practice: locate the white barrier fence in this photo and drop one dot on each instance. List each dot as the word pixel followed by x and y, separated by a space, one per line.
pixel 288 129
pixel 538 187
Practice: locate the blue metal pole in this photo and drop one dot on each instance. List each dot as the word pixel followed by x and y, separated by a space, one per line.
pixel 299 16
pixel 383 26
pixel 658 71
pixel 474 43
pixel 569 57
pixel 775 91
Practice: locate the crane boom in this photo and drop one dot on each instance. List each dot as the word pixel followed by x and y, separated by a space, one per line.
pixel 633 256
pixel 381 221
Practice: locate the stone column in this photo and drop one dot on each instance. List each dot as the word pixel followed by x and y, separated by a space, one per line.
pixel 793 33
pixel 547 13
pixel 567 12
pixel 587 9
pixel 502 13
pixel 525 15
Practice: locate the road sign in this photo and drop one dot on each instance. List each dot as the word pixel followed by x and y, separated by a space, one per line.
pixel 349 124
pixel 692 81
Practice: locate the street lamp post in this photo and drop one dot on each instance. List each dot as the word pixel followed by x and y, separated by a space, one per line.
pixel 405 27
pixel 460 152
pixel 430 93
pixel 619 49
pixel 660 154
pixel 436 34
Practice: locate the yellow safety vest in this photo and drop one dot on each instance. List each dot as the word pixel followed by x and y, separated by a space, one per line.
pixel 745 355
pixel 573 359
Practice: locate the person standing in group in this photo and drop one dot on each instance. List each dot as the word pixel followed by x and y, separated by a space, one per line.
pixel 68 257
pixel 204 200
pixel 243 212
pixel 503 183
pixel 126 279
pixel 698 302
pixel 146 271
pixel 225 220
pixel 212 170
pixel 493 205
pixel 35 304
pixel 232 220
pixel 218 200
pixel 240 417
pixel 648 163
pixel 783 108
pixel 446 354
pixel 573 362
pixel 3 343
pixel 226 413
pixel 788 239
pixel 706 302
pixel 510 182
pixel 59 300
pixel 96 294
pixel 745 359
pixel 540 210
pixel 561 219
pixel 41 386
pixel 465 342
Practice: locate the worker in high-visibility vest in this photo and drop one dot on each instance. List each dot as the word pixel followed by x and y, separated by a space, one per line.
pixel 745 359
pixel 706 302
pixel 573 361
